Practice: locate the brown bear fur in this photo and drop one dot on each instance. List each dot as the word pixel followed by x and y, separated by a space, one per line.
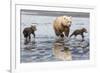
pixel 62 25
pixel 28 31
pixel 79 32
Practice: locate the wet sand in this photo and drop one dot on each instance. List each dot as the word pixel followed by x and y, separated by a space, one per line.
pixel 46 48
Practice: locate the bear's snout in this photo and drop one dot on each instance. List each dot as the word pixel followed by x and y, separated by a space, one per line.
pixel 69 25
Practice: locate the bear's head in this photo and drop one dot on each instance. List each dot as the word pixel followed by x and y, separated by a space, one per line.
pixel 66 21
pixel 84 30
pixel 33 27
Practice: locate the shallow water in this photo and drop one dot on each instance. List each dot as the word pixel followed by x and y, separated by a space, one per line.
pixel 43 48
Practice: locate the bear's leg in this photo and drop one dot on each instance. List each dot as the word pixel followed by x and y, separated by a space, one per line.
pixel 66 33
pixel 25 41
pixel 75 36
pixel 57 33
pixel 62 35
pixel 82 37
pixel 33 34
pixel 71 35
pixel 29 37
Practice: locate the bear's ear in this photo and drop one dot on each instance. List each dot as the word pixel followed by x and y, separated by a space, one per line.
pixel 31 25
pixel 70 17
pixel 63 17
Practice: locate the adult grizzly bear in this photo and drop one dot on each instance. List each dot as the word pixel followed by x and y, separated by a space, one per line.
pixel 79 32
pixel 28 31
pixel 62 25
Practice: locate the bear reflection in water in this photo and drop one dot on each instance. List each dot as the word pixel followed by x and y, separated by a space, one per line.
pixel 61 51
